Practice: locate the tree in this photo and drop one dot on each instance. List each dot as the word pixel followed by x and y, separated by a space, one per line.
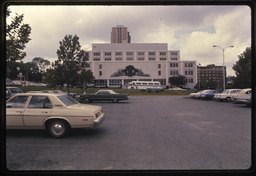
pixel 41 63
pixel 86 76
pixel 17 36
pixel 30 71
pixel 53 77
pixel 243 70
pixel 67 68
pixel 178 80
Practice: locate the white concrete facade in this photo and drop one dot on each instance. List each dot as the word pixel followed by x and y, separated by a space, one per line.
pixel 117 64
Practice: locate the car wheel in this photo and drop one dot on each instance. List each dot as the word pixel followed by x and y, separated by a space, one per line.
pixel 228 99
pixel 87 100
pixel 115 101
pixel 58 128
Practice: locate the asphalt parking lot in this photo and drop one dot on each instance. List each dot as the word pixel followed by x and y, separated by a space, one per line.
pixel 143 133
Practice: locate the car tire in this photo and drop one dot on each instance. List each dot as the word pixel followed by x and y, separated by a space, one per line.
pixel 115 101
pixel 228 99
pixel 87 100
pixel 58 128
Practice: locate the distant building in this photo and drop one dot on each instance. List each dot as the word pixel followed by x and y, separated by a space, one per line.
pixel 210 76
pixel 120 34
pixel 116 64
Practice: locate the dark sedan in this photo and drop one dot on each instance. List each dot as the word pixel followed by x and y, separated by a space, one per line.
pixel 103 95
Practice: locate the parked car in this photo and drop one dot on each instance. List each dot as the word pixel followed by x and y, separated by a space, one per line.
pixel 243 99
pixel 197 94
pixel 208 95
pixel 226 95
pixel 11 91
pixel 57 113
pixel 103 95
pixel 155 88
pixel 73 95
pixel 242 92
pixel 91 85
pixel 176 88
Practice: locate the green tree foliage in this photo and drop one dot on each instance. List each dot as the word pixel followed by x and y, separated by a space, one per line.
pixel 17 36
pixel 68 69
pixel 30 71
pixel 41 63
pixel 86 76
pixel 178 80
pixel 243 70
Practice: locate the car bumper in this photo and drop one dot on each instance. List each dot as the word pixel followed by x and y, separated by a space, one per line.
pixel 241 101
pixel 99 121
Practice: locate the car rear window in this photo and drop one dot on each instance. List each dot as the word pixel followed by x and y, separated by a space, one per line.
pixel 67 100
pixel 15 90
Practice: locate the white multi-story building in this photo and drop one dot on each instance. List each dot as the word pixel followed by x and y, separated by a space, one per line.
pixel 116 64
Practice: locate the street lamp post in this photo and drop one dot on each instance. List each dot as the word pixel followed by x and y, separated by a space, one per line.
pixel 199 75
pixel 223 50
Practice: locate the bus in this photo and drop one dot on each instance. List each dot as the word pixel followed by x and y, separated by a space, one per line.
pixel 144 85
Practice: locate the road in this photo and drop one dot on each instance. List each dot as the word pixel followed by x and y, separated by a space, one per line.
pixel 146 132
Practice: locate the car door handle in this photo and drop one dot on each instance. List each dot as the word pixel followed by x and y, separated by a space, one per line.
pixel 19 111
pixel 44 112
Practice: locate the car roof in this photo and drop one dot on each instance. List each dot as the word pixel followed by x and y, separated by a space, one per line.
pixel 232 89
pixel 52 96
pixel 105 90
pixel 247 89
pixel 40 94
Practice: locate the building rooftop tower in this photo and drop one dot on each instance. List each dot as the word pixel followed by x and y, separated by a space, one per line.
pixel 120 34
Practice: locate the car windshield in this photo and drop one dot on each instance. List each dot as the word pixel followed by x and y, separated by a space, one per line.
pixel 208 91
pixel 67 100
pixel 225 91
pixel 203 91
pixel 15 90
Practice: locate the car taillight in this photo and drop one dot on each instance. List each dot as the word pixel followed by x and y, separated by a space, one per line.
pixel 97 114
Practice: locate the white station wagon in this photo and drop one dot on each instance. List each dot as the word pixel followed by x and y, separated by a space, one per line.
pixel 57 113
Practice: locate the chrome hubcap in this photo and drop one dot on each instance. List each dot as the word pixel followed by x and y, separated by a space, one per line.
pixel 57 128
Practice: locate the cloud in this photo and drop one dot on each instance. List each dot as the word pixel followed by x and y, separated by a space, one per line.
pixel 191 29
pixel 230 29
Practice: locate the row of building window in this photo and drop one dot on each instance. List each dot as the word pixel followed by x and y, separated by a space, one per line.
pixel 187 72
pixel 173 72
pixel 201 72
pixel 131 58
pixel 140 53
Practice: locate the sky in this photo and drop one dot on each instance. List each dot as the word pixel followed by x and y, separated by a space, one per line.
pixel 191 29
